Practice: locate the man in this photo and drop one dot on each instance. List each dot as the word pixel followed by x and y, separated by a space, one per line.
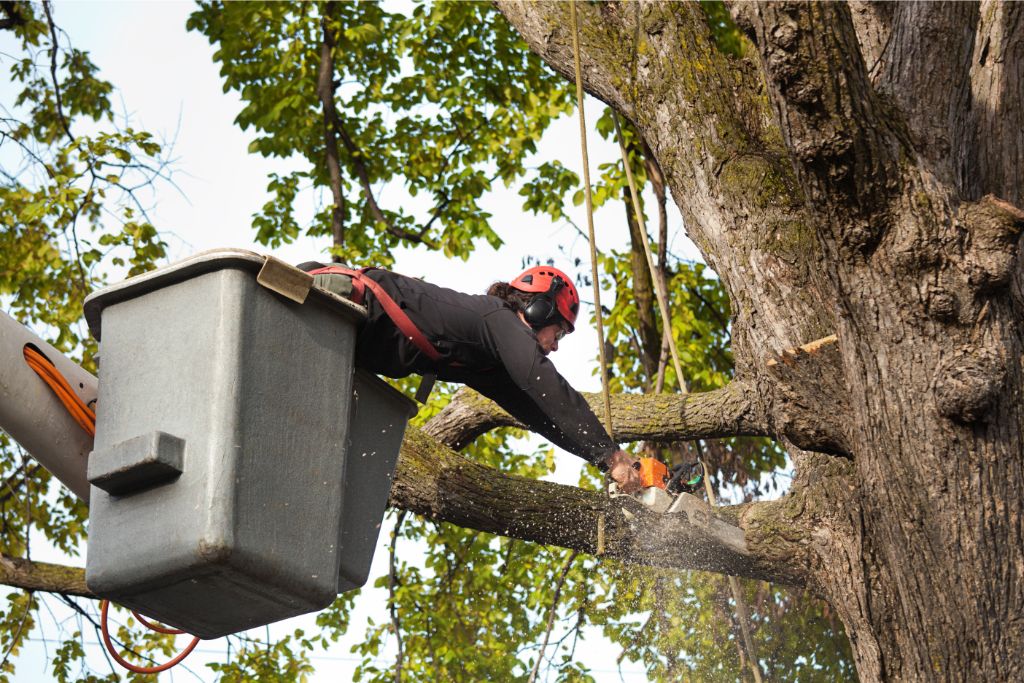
pixel 497 343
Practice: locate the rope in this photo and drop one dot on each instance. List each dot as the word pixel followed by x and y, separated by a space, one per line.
pixel 86 419
pixel 737 595
pixel 743 613
pixel 590 218
pixel 659 290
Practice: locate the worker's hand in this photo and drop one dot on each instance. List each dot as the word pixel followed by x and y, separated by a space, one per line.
pixel 624 469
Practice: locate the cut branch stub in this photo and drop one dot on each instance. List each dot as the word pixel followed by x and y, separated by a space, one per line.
pixel 808 397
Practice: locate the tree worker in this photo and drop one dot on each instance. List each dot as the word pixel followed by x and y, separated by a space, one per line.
pixel 497 344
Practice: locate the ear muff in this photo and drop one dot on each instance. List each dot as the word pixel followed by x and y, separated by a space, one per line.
pixel 541 310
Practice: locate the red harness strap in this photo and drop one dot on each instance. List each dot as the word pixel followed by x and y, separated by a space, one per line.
pixel 360 282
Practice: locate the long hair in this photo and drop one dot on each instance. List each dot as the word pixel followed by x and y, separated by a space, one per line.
pixel 513 298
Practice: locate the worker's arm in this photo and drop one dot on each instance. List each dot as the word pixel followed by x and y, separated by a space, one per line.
pixel 620 465
pixel 537 394
pixel 519 405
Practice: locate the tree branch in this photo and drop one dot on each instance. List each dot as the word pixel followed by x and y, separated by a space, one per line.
pixel 53 71
pixel 657 178
pixel 434 481
pixel 43 576
pixel 13 15
pixel 643 291
pixel 325 90
pixel 706 415
pixel 356 155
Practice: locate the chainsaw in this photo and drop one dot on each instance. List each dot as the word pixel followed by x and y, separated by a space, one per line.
pixel 670 492
pixel 662 486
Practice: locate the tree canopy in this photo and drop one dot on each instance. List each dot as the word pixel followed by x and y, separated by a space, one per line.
pixel 401 121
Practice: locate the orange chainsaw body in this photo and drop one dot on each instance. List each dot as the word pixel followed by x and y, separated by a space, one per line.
pixel 653 472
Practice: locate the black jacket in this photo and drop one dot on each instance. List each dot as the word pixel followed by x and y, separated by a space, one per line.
pixel 493 351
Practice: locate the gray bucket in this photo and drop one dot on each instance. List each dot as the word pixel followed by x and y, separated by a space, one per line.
pixel 230 488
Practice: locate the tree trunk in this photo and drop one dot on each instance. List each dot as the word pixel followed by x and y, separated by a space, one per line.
pixel 859 173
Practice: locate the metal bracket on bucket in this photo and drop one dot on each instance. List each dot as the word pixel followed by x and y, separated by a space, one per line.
pixel 285 279
pixel 137 463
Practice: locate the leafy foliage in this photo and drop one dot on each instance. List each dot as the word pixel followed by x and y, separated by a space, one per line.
pixel 437 105
pixel 67 197
pixel 69 178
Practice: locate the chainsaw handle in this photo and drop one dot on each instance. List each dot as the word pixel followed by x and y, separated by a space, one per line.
pixel 678 471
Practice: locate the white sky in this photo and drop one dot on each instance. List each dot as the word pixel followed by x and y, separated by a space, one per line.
pixel 170 86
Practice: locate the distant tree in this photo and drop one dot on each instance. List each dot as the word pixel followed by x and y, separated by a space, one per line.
pixel 72 181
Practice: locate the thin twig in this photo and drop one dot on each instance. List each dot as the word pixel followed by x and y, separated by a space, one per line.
pixel 711 307
pixel 551 615
pixel 9 483
pixel 325 89
pixel 363 175
pixel 441 206
pixel 392 603
pixel 30 154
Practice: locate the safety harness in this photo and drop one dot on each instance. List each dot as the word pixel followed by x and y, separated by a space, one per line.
pixel 360 282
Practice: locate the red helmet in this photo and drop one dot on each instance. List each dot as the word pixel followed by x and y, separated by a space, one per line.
pixel 548 283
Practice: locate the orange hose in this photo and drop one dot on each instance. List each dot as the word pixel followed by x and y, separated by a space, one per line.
pixel 48 372
pixel 86 419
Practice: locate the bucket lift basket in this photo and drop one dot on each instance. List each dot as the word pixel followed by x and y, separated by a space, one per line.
pixel 241 468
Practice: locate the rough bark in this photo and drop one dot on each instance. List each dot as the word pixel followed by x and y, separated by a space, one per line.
pixel 43 576
pixel 756 540
pixel 660 417
pixel 859 173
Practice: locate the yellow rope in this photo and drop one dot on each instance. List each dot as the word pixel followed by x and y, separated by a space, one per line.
pixel 734 585
pixel 590 219
pixel 737 596
pixel 659 291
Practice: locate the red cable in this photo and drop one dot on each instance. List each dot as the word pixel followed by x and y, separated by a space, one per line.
pixel 86 419
pixel 104 607
pixel 157 627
